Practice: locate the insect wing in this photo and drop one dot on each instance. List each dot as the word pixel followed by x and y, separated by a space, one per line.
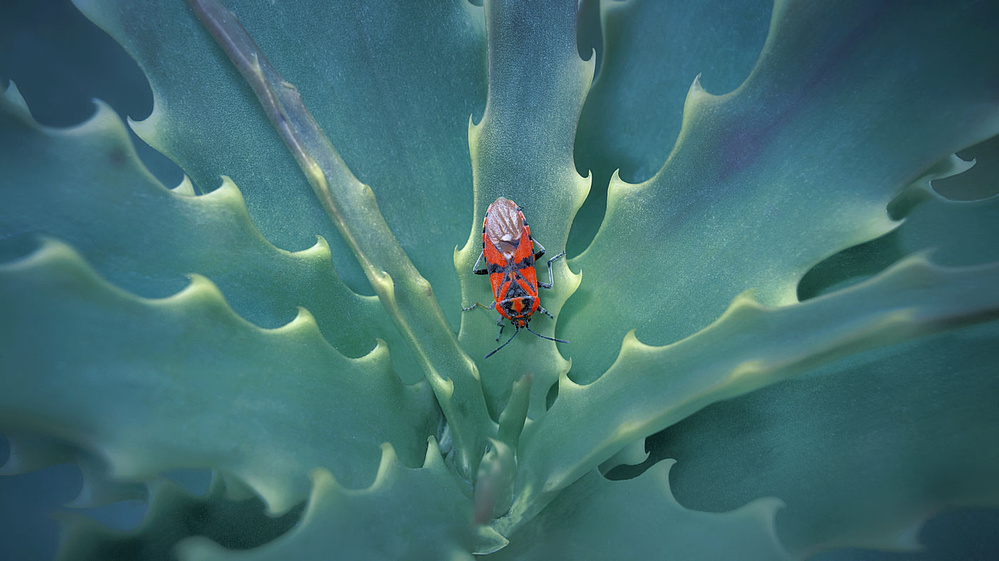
pixel 504 227
pixel 526 276
pixel 497 266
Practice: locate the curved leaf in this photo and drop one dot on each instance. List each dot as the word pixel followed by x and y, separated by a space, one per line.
pixel 912 425
pixel 911 429
pixel 174 514
pixel 85 185
pixel 747 348
pixel 596 519
pixel 847 104
pixel 654 49
pixel 430 515
pixel 185 383
pixel 401 136
pixel 406 295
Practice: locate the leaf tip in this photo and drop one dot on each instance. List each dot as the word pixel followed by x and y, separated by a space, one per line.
pixel 185 188
pixel 388 467
pixel 320 251
pixel 13 96
pixel 474 129
pixel 433 458
pixel 631 342
pixel 149 129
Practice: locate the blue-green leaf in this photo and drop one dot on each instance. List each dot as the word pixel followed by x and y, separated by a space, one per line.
pixel 401 136
pixel 847 105
pixel 749 347
pixel 426 508
pixel 596 519
pixel 183 382
pixel 862 452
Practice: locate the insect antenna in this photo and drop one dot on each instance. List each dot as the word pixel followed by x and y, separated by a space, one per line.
pixel 504 344
pixel 542 336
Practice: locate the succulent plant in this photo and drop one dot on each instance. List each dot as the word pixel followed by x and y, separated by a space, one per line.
pixel 780 297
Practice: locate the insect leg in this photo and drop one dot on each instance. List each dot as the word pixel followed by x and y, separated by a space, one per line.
pixel 543 311
pixel 539 253
pixel 501 326
pixel 551 275
pixel 478 305
pixel 476 269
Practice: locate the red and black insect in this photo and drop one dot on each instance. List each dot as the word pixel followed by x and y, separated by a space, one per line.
pixel 509 251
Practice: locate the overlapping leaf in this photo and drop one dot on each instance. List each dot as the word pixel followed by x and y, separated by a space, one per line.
pixel 912 426
pixel 848 104
pixel 403 292
pixel 175 514
pixel 749 347
pixel 185 383
pixel 596 519
pixel 652 52
pixel 886 440
pixel 951 229
pixel 85 185
pixel 429 514
pixel 795 165
pixel 401 129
